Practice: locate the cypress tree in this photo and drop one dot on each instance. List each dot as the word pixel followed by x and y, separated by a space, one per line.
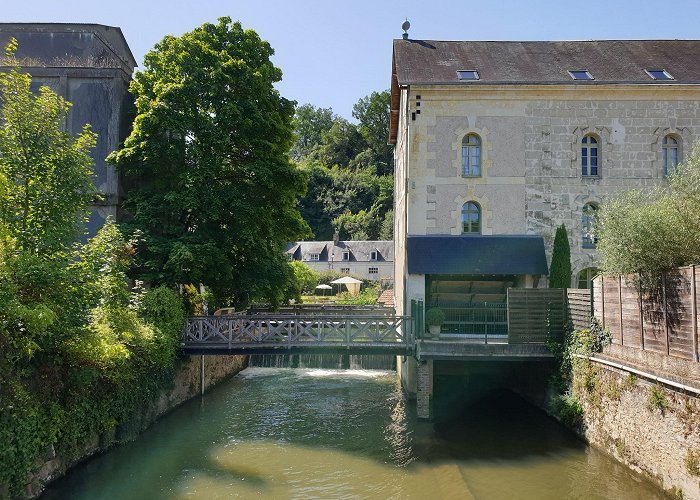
pixel 560 270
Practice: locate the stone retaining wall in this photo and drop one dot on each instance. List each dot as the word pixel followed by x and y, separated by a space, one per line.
pixel 186 384
pixel 653 429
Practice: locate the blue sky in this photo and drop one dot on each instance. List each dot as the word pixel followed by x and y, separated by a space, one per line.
pixel 332 53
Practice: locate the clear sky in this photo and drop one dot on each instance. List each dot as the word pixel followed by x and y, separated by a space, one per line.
pixel 332 53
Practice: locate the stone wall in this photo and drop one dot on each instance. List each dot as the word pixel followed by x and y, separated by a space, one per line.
pixel 186 384
pixel 653 429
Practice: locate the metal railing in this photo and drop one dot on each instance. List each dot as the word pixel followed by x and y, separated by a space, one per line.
pixel 279 331
pixel 486 321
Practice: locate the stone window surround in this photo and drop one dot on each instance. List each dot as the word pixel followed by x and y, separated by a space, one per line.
pixel 595 207
pixel 467 143
pixel 682 134
pixel 456 215
pixel 602 134
pixel 486 146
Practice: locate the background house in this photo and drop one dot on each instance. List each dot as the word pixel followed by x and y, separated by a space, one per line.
pixel 372 260
pixel 89 65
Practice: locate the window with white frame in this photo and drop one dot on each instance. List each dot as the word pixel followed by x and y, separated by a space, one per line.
pixel 670 154
pixel 374 255
pixel 588 222
pixel 314 256
pixel 373 270
pixel 590 156
pixel 471 156
pixel 345 270
pixel 346 254
pixel 471 218
pixel 585 277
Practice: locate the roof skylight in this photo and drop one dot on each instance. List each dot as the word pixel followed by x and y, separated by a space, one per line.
pixel 468 74
pixel 659 74
pixel 581 74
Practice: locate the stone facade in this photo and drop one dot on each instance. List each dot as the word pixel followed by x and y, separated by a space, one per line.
pixel 531 166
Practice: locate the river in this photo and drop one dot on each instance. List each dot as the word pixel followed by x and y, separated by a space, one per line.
pixel 318 433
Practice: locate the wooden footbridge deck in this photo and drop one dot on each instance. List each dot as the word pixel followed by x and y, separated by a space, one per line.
pixel 279 333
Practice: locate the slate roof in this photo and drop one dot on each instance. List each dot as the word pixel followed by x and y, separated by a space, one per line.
pixel 503 62
pixel 359 250
pixel 477 255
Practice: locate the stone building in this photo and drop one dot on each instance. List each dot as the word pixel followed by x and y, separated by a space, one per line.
pixel 373 260
pixel 496 144
pixel 89 65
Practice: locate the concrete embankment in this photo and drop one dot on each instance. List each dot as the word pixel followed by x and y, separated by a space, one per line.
pixel 186 384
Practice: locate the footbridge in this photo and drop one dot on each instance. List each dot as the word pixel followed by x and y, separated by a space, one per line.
pixel 298 332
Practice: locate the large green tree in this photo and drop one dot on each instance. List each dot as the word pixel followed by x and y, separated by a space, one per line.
pixel 372 112
pixel 213 190
pixel 45 173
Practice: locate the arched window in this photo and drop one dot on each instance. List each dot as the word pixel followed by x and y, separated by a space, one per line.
pixel 471 156
pixel 585 277
pixel 670 153
pixel 590 156
pixel 588 220
pixel 471 218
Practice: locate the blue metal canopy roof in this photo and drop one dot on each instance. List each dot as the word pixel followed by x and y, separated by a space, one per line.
pixel 475 254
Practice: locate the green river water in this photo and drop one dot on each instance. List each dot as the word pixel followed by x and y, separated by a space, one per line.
pixel 312 433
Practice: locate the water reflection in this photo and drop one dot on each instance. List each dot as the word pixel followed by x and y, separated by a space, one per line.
pixel 283 433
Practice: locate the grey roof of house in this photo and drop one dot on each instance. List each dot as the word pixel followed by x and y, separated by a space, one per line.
pixel 69 45
pixel 360 250
pixel 511 62
pixel 476 255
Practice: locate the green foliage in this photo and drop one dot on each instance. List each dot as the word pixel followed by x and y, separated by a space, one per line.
pixel 692 462
pixel 657 399
pixel 309 124
pixel 560 270
pixel 214 191
pixel 648 233
pixel 349 168
pixel 589 340
pixel 372 112
pixel 367 296
pixel 386 232
pixel 568 409
pixel 434 317
pixel 45 173
pixel 307 278
pixel 162 308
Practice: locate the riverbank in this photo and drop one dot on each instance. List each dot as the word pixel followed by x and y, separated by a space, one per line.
pixel 186 384
pixel 623 410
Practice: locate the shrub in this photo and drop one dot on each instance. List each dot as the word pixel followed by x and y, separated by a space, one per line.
pixel 657 398
pixel 568 409
pixel 307 279
pixel 692 462
pixel 434 317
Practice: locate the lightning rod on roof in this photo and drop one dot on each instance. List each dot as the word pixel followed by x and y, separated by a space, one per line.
pixel 405 27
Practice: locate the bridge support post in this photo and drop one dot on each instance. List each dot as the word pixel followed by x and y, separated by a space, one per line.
pixel 425 389
pixel 201 374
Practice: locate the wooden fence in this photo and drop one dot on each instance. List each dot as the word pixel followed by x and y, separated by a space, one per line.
pixel 665 321
pixel 535 315
pixel 579 302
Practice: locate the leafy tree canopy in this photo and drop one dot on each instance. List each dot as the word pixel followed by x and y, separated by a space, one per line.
pixel 350 168
pixel 213 191
pixel 648 233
